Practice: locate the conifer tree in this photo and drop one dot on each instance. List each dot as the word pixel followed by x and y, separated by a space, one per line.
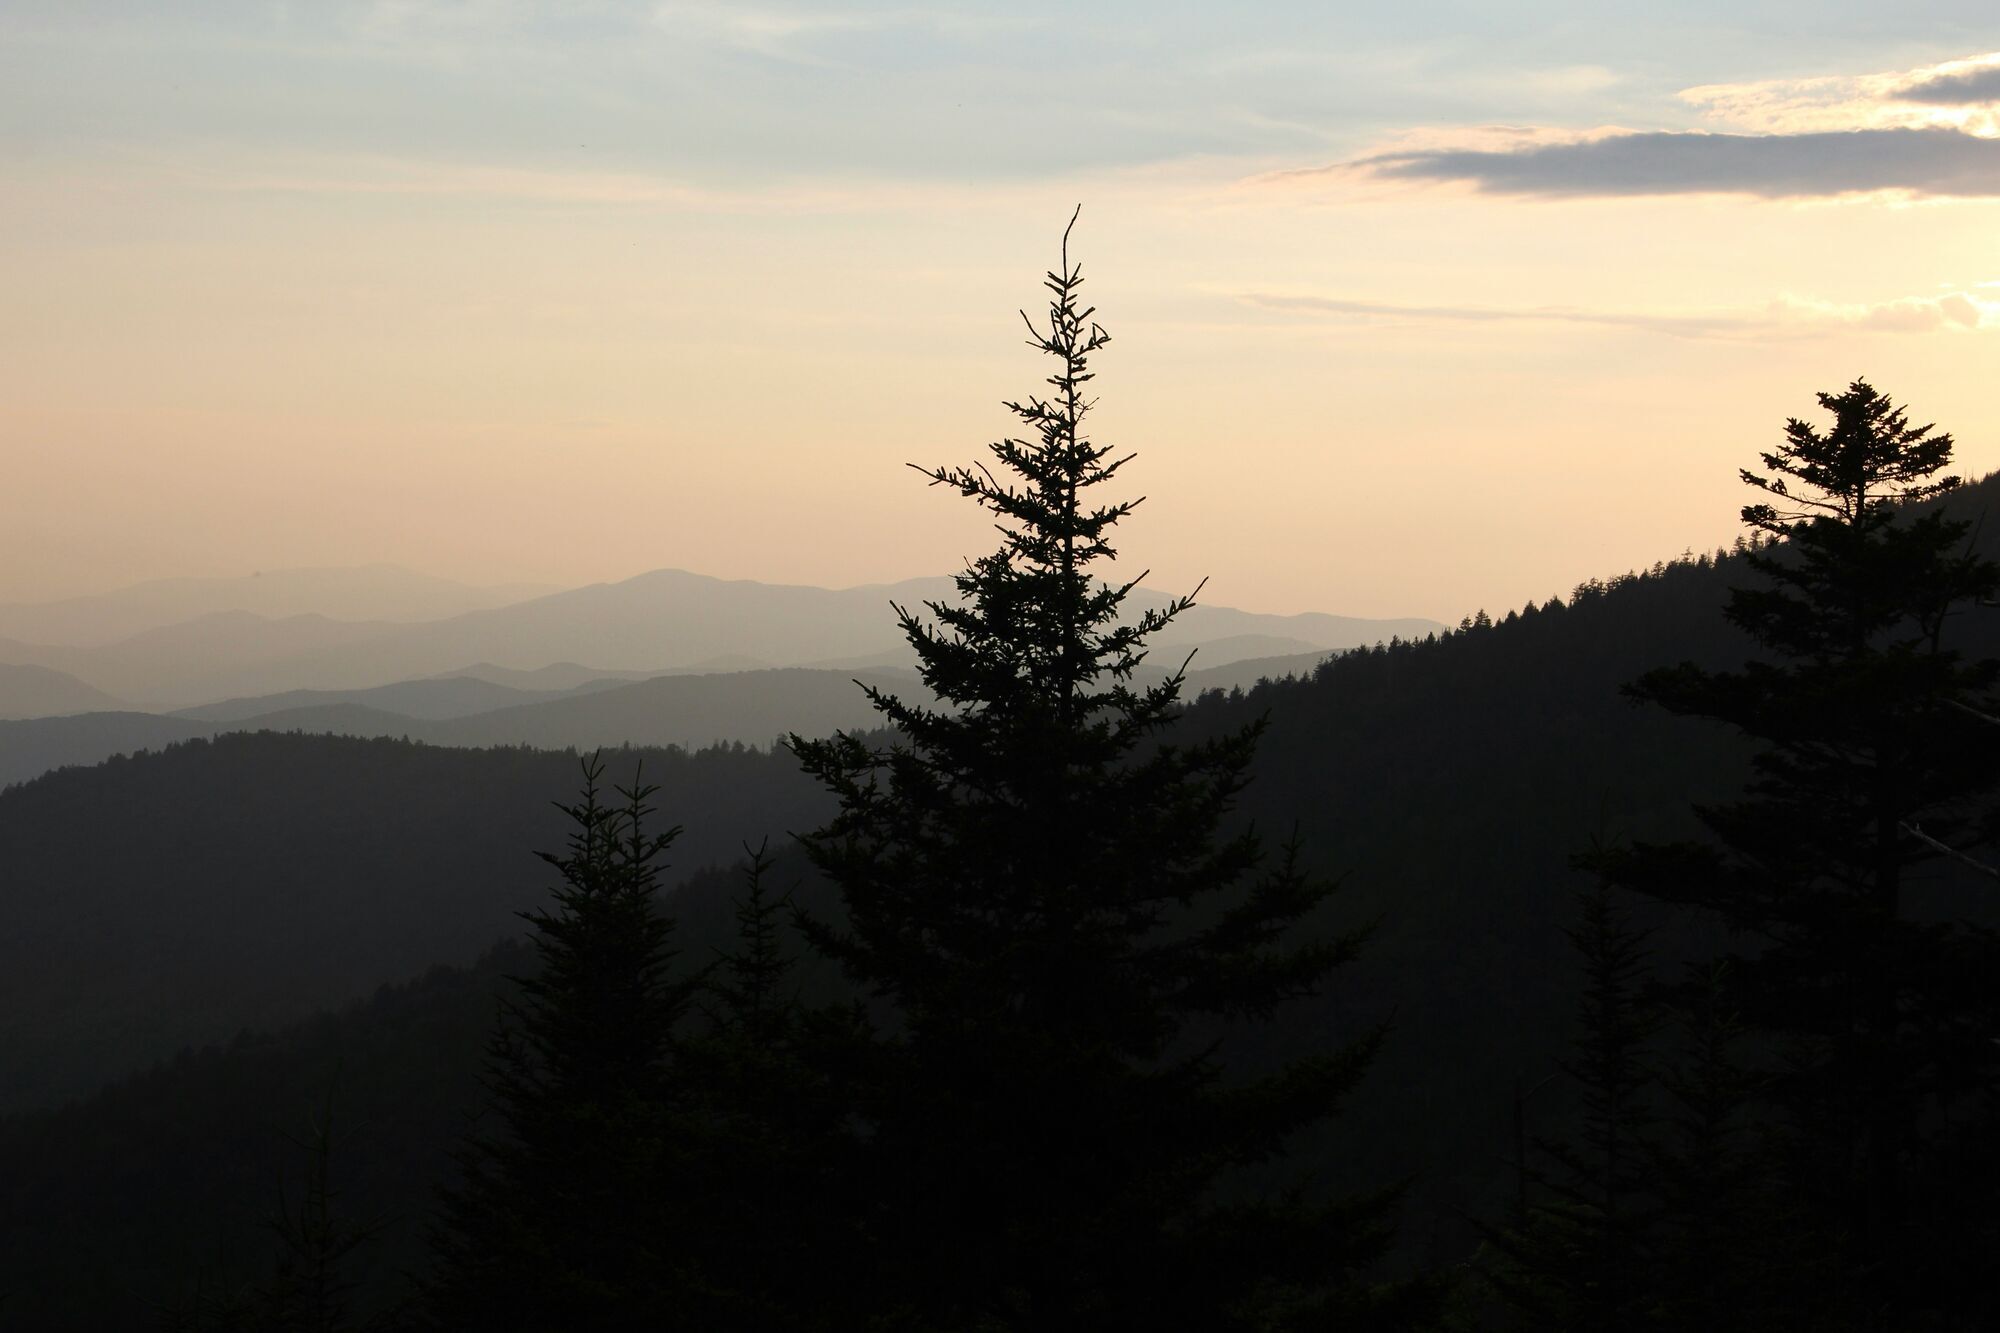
pixel 1878 1010
pixel 1724 1221
pixel 567 1215
pixel 1583 1257
pixel 1044 897
pixel 312 1289
pixel 771 1176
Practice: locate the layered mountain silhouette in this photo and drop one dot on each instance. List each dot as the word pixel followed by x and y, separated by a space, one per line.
pixel 236 855
pixel 666 620
pixel 220 654
pixel 367 592
pixel 439 697
pixel 689 710
pixel 39 691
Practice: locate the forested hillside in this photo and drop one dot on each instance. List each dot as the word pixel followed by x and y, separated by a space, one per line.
pixel 1446 782
pixel 231 884
pixel 254 880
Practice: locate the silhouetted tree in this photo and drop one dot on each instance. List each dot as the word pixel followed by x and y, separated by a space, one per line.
pixel 566 1215
pixel 1725 1223
pixel 1582 1258
pixel 1879 1015
pixel 1041 895
pixel 771 1168
pixel 312 1287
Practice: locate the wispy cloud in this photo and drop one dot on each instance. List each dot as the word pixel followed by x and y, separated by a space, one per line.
pixel 1347 309
pixel 1940 96
pixel 1786 316
pixel 1929 162
pixel 1932 132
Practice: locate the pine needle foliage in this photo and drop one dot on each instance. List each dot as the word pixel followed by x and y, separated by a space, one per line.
pixel 1724 1218
pixel 1048 904
pixel 1874 762
pixel 313 1286
pixel 771 1175
pixel 566 1215
pixel 1583 1257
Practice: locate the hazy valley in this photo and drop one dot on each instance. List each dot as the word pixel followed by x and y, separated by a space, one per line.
pixel 673 659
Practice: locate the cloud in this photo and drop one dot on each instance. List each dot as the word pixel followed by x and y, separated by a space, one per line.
pixel 1926 162
pixel 1784 316
pixel 1971 85
pixel 1927 132
pixel 1929 97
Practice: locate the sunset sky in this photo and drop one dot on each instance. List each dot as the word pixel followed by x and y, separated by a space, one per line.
pixel 1416 308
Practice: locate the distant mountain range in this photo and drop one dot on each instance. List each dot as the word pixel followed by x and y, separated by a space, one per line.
pixel 439 697
pixel 192 661
pixel 663 621
pixel 367 592
pixel 688 710
pixel 39 691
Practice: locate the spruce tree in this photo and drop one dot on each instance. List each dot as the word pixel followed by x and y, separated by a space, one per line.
pixel 1725 1222
pixel 313 1287
pixel 771 1174
pixel 1878 1014
pixel 1055 916
pixel 1583 1257
pixel 566 1215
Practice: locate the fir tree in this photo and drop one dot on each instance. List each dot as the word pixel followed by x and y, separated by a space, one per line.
pixel 1860 708
pixel 1043 899
pixel 312 1288
pixel 771 1175
pixel 1723 1265
pixel 567 1214
pixel 1582 1258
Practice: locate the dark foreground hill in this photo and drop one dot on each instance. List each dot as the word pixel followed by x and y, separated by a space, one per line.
pixel 157 1189
pixel 253 880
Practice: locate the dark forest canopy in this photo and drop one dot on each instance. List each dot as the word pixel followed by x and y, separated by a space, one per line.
pixel 257 879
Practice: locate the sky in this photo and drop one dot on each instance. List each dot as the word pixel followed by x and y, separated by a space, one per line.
pixel 1416 309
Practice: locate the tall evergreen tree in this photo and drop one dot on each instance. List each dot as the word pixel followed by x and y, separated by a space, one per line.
pixel 566 1215
pixel 312 1289
pixel 1042 896
pixel 1882 1013
pixel 771 1169
pixel 1725 1222
pixel 1583 1256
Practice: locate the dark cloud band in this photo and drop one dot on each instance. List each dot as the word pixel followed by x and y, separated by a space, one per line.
pixel 1970 87
pixel 1940 162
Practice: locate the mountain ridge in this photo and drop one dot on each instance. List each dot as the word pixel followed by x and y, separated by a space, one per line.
pixel 660 621
pixel 376 591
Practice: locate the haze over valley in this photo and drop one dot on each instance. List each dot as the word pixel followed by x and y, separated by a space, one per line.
pixel 665 658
